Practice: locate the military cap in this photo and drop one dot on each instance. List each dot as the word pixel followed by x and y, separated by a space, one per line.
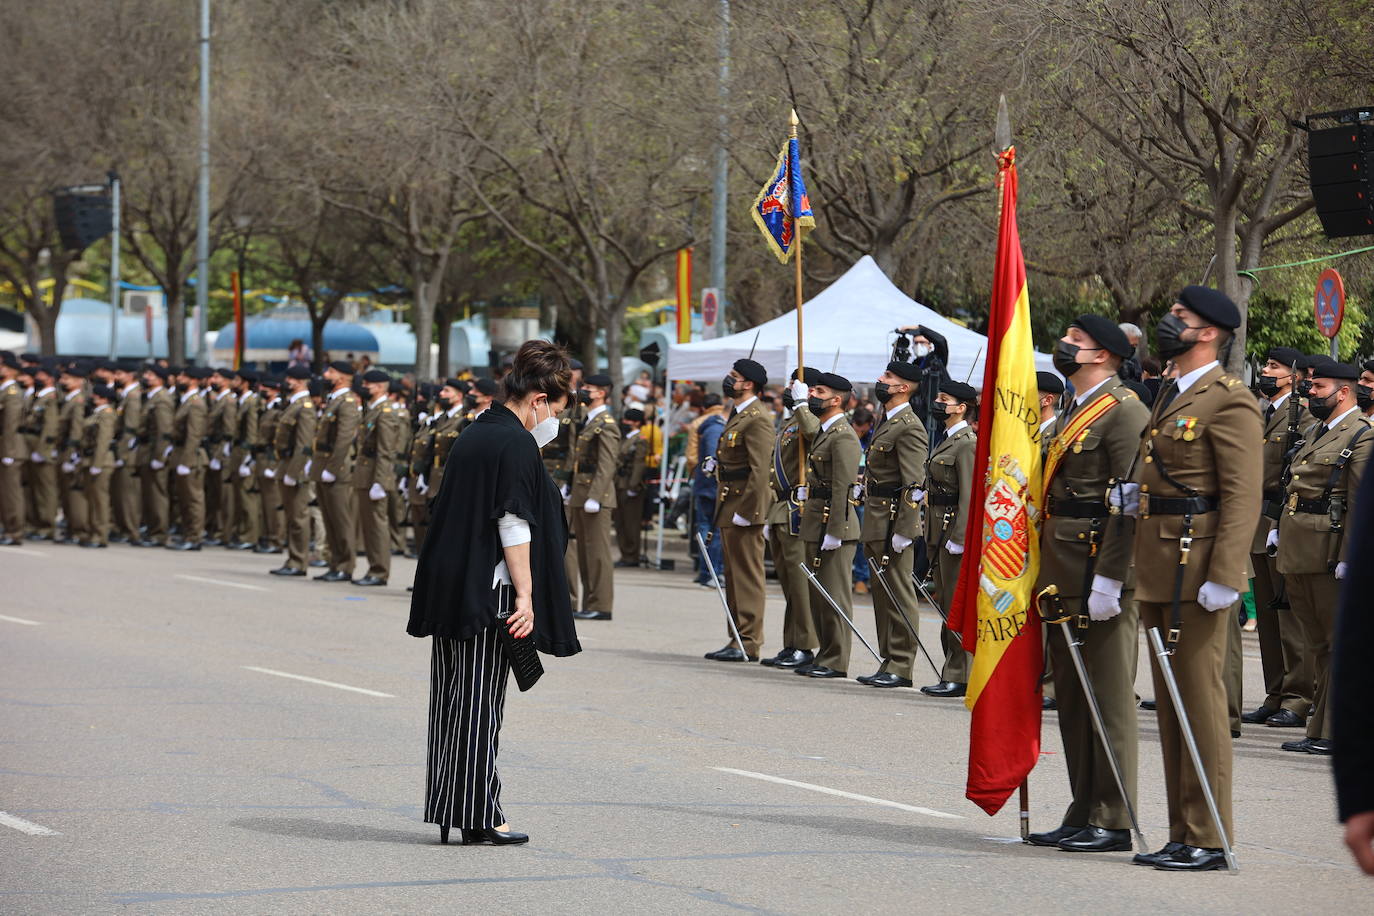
pixel 490 387
pixel 104 392
pixel 1368 365
pixel 1289 356
pixel 7 359
pixel 270 380
pixel 298 371
pixel 453 383
pixel 30 357
pixel 224 372
pixel 249 375
pixel 1330 368
pixel 599 380
pixel 576 364
pixel 1050 383
pixel 752 371
pixel 76 370
pixel 48 367
pixel 964 392
pixel 1108 335
pixel 397 386
pixel 909 371
pixel 634 413
pixel 809 375
pixel 375 375
pixel 28 370
pixel 198 372
pixel 107 365
pixel 835 382
pixel 341 365
pixel 1307 360
pixel 157 370
pixel 1212 305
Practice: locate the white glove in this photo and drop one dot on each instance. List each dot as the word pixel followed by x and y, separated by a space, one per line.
pixel 422 486
pixel 68 467
pixel 156 465
pixel 802 492
pixel 953 548
pixel 327 476
pixel 767 530
pixel 830 542
pixel 739 521
pixel 133 443
pixel 37 457
pixel 288 480
pixel 1214 597
pixel 226 450
pixel 6 461
pixel 119 463
pixel 1126 497
pixel 1102 606
pixel 95 472
pixel 308 462
pixel 246 469
pixel 632 493
pixel 1271 541
pixel 214 464
pixel 799 391
pixel 919 493
pixel 166 451
pixel 269 473
pixel 375 492
pixel 708 465
pixel 591 506
pixel 183 471
pixel 403 485
pixel 1341 569
pixel 899 543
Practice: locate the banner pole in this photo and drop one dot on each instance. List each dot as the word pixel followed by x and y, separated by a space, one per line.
pixel 801 360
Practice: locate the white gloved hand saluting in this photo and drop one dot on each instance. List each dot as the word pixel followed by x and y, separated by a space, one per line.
pixel 900 543
pixel 1126 497
pixel 591 507
pixel 830 543
pixel 799 391
pixel 376 493
pixel 739 521
pixel 953 548
pixel 1214 596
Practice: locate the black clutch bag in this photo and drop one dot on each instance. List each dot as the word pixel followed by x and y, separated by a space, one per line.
pixel 524 657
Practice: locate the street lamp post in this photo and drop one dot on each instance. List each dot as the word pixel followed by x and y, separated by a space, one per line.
pixel 203 214
pixel 114 266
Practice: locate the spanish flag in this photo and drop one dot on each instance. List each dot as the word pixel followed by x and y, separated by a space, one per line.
pixel 993 601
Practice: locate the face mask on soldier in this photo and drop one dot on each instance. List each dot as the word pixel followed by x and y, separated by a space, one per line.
pixel 727 386
pixel 1322 408
pixel 1364 397
pixel 1268 386
pixel 1169 337
pixel 882 392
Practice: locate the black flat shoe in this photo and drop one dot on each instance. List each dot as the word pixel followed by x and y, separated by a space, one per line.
pixel 318 564
pixel 239 545
pixel 1150 858
pixel 772 660
pixel 1052 837
pixel 626 564
pixel 884 679
pixel 806 668
pixel 1148 704
pixel 184 545
pixel 1320 746
pixel 287 571
pixel 1048 703
pixel 1299 746
pixel 1097 839
pixel 489 836
pixel 266 548
pixel 790 659
pixel 333 575
pixel 369 580
pixel 945 689
pixel 823 671
pixel 592 615
pixel 732 654
pixel 1284 718
pixel 1191 858
pixel 1257 716
pixel 712 656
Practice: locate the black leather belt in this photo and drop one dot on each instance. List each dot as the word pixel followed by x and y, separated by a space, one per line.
pixel 1308 506
pixel 732 473
pixel 586 467
pixel 888 492
pixel 1079 508
pixel 818 492
pixel 943 499
pixel 1184 505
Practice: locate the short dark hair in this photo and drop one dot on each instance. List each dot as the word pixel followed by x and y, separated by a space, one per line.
pixel 861 416
pixel 539 366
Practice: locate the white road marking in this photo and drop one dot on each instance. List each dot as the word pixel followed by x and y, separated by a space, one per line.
pixel 251 588
pixel 915 809
pixel 23 826
pixel 27 623
pixel 315 680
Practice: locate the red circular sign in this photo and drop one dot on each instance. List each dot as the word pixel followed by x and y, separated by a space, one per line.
pixel 708 308
pixel 1328 303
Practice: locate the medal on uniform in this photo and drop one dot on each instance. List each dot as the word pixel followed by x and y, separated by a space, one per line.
pixel 1186 424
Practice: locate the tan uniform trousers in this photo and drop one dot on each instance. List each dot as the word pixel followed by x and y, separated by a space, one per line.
pixel 296 509
pixel 946 569
pixel 375 515
pixel 74 505
pixel 742 551
pixel 798 626
pixel 12 499
pixel 97 488
pixel 629 523
pixel 1287 669
pixel 1314 599
pixel 190 492
pixel 153 485
pixel 336 505
pixel 895 640
pixel 593 532
pixel 273 524
pixel 42 478
pixel 126 501
pixel 836 575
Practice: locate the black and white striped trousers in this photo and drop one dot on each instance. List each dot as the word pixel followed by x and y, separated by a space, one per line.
pixel 467 697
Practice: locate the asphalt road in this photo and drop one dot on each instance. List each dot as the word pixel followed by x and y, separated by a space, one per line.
pixel 154 758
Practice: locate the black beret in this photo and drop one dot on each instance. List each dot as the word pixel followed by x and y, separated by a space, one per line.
pixel 226 373
pixel 576 364
pixel 599 380
pixel 752 371
pixel 1286 355
pixel 1048 381
pixel 964 392
pixel 341 365
pixel 397 386
pixel 375 375
pixel 1308 360
pixel 835 382
pixel 1329 368
pixel 1108 335
pixel 107 365
pixel 77 370
pixel 198 372
pixel 29 357
pixel 103 391
pixel 1368 365
pixel 249 375
pixel 909 371
pixel 48 366
pixel 7 359
pixel 453 383
pixel 1213 306
pixel 157 370
pixel 809 375
pixel 298 371
pixel 634 413
pixel 490 388
pixel 269 380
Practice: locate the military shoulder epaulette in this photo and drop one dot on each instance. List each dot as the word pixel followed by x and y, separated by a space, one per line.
pixel 308 403
pixel 1123 393
pixel 1230 381
pixel 386 410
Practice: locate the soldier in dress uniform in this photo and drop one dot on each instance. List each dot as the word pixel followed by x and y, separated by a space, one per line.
pixel 187 458
pixel 397 502
pixel 71 415
pixel 293 445
pixel 1050 388
pixel 154 446
pixel 783 531
pixel 374 478
pixel 126 490
pixel 13 452
pixel 221 423
pixel 1364 391
pixel 829 524
pixel 1095 444
pixel 40 436
pixel 894 471
pixel 743 498
pixel 629 488
pixel 1288 674
pixel 950 478
pixel 1318 500
pixel 245 503
pixel 331 469
pixel 592 495
pixel 559 456
pixel 97 464
pixel 1194 487
pixel 422 457
pixel 447 426
pixel 263 450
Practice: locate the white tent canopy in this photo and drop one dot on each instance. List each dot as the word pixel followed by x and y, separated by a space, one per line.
pixel 857 315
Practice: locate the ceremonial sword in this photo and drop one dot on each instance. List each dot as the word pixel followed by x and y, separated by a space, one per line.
pixel 849 623
pixel 882 580
pixel 729 618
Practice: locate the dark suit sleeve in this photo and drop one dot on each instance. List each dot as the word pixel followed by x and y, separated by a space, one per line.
pixel 1352 677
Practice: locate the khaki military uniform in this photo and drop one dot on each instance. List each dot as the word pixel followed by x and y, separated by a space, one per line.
pixel 189 423
pixel 597 456
pixel 743 458
pixel 1204 439
pixel 950 478
pixel 40 437
pixel 895 467
pixel 293 443
pixel 126 490
pixel 1320 494
pixel 335 441
pixel 220 426
pixel 379 449
pixel 447 426
pixel 1097 445
pixel 397 502
pixel 13 455
pixel 629 496
pixel 832 472
pixel 421 457
pixel 96 466
pixel 155 444
pixel 784 530
pixel 559 456
pixel 245 503
pixel 71 417
pixel 263 449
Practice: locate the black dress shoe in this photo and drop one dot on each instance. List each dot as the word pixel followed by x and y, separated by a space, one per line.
pixel 592 615
pixel 1284 718
pixel 626 564
pixel 1257 716
pixel 1191 858
pixel 334 575
pixel 732 654
pixel 287 571
pixel 1048 703
pixel 1150 858
pixel 369 580
pixel 1052 837
pixel 118 539
pixel 1097 839
pixel 945 689
pixel 240 545
pixel 1299 746
pixel 1320 746
pixel 212 542
pixel 805 668
pixel 184 545
pixel 772 660
pixel 317 564
pixel 1148 704
pixel 1235 733
pixel 711 656
pixel 884 679
pixel 266 548
pixel 823 671
pixel 489 836
pixel 789 659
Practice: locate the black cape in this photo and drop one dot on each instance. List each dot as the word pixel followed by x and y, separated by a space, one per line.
pixel 494 468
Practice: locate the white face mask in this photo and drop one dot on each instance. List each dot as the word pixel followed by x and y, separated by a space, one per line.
pixel 922 350
pixel 545 430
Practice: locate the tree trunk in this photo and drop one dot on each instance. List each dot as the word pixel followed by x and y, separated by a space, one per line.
pixel 45 319
pixel 443 322
pixel 613 362
pixel 176 328
pixel 317 323
pixel 1230 283
pixel 424 319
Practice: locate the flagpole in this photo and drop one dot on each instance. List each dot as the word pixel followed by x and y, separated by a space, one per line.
pixel 801 361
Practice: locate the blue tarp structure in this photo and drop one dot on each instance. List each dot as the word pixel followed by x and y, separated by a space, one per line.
pixel 267 339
